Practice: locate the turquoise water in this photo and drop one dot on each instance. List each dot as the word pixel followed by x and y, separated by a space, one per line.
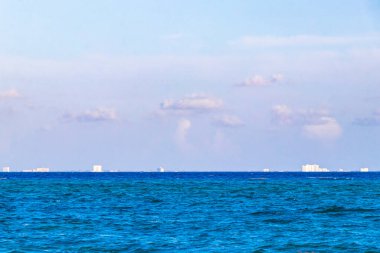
pixel 190 212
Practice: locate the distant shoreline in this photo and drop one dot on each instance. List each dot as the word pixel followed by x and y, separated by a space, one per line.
pixel 205 171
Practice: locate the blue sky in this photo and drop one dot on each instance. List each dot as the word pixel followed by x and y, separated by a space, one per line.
pixel 189 85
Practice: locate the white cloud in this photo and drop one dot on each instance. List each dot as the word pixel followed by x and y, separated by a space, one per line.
pixel 303 40
pixel 96 115
pixel 12 93
pixel 311 116
pixel 228 121
pixel 183 128
pixel 327 129
pixel 282 114
pixel 198 103
pixel 277 78
pixel 255 80
pixel 258 80
pixel 315 123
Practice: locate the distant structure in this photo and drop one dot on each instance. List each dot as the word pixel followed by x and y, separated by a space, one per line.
pixel 160 169
pixel 364 169
pixel 97 168
pixel 340 170
pixel 41 170
pixel 266 170
pixel 313 168
pixel 6 169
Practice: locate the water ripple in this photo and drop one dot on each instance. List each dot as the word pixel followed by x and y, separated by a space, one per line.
pixel 195 212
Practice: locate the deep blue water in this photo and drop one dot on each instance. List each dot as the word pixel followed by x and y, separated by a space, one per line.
pixel 190 212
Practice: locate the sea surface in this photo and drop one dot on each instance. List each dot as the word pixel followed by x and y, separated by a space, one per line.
pixel 190 212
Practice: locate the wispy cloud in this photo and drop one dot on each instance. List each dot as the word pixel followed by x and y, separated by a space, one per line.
pixel 303 40
pixel 194 103
pixel 231 121
pixel 183 128
pixel 282 115
pixel 11 93
pixel 285 115
pixel 327 128
pixel 95 115
pixel 259 80
pixel 373 120
pixel 315 123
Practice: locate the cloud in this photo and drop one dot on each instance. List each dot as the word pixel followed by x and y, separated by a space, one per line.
pixel 303 40
pixel 183 128
pixel 326 129
pixel 12 93
pixel 258 80
pixel 277 78
pixel 195 103
pixel 315 123
pixel 96 115
pixel 312 116
pixel 373 120
pixel 282 114
pixel 228 121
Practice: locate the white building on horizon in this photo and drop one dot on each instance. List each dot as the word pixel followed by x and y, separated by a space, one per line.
pixel 97 168
pixel 364 169
pixel 41 170
pixel 6 169
pixel 313 168
pixel 160 169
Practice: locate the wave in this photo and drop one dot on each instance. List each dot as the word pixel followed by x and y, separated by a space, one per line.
pixel 341 209
pixel 332 178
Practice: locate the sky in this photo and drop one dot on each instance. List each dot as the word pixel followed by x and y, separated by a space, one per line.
pixel 189 85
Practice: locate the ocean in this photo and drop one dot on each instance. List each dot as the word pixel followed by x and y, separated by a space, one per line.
pixel 190 212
